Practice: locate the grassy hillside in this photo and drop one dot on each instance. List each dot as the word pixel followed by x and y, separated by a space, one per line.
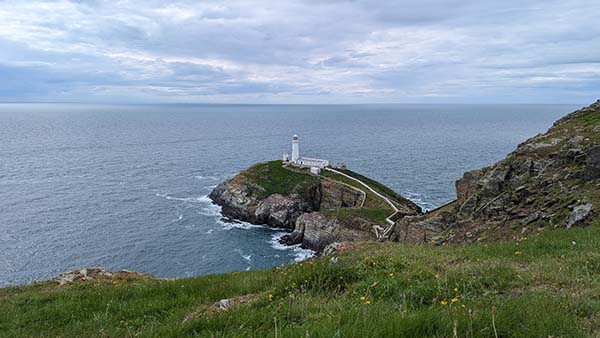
pixel 536 287
pixel 380 188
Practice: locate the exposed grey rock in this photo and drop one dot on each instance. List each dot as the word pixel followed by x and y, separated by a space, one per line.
pixel 531 218
pixel 315 231
pixel 97 274
pixel 281 211
pixel 592 166
pixel 331 248
pixel 223 304
pixel 579 214
pixel 275 210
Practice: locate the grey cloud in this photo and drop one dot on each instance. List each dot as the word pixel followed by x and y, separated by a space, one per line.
pixel 301 51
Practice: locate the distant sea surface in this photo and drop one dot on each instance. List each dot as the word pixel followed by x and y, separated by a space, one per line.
pixel 125 187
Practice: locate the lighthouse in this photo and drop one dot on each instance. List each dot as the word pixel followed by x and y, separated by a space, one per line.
pixel 303 161
pixel 295 150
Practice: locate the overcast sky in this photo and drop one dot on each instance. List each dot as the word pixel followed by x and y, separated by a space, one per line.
pixel 312 51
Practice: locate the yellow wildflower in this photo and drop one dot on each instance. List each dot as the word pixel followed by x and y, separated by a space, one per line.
pixel 436 276
pixel 392 274
pixel 455 289
pixel 443 302
pixel 362 298
pixel 517 252
pixel 368 302
pixel 270 297
pixel 454 300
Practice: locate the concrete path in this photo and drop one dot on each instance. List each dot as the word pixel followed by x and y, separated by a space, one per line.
pixel 387 200
pixel 362 192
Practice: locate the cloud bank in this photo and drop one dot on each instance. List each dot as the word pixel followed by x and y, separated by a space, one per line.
pixel 307 51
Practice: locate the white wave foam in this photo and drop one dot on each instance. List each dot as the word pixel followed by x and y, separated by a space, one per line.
pixel 238 225
pixel 299 253
pixel 210 210
pixel 207 207
pixel 246 258
pixel 201 199
pixel 206 178
pixel 418 199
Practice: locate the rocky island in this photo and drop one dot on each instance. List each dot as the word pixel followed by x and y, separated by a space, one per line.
pixel 332 206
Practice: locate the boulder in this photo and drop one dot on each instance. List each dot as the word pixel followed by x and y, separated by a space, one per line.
pixel 578 215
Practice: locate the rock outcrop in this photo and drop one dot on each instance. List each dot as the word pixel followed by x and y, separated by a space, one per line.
pixel 315 230
pixel 98 275
pixel 275 210
pixel 549 181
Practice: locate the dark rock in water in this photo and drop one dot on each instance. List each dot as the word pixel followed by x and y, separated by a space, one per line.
pixel 579 214
pixel 230 220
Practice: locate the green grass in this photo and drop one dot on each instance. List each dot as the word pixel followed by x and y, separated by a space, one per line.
pixel 269 178
pixel 591 119
pixel 376 216
pixel 542 286
pixel 372 201
pixel 379 187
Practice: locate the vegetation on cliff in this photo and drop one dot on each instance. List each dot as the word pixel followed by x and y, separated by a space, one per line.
pixel 542 286
pixel 268 178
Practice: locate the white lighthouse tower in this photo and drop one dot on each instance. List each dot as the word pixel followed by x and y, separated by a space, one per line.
pixel 295 150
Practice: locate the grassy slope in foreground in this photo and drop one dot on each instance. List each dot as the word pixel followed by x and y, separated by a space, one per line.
pixel 540 287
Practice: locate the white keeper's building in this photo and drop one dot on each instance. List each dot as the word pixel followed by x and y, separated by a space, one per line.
pixel 315 164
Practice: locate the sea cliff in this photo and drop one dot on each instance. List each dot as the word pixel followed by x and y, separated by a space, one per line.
pixel 550 181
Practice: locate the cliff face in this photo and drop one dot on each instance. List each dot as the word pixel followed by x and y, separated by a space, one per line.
pixel 549 181
pixel 321 210
pixel 268 194
pixel 275 210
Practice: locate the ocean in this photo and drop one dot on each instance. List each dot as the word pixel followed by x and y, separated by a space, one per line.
pixel 125 186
